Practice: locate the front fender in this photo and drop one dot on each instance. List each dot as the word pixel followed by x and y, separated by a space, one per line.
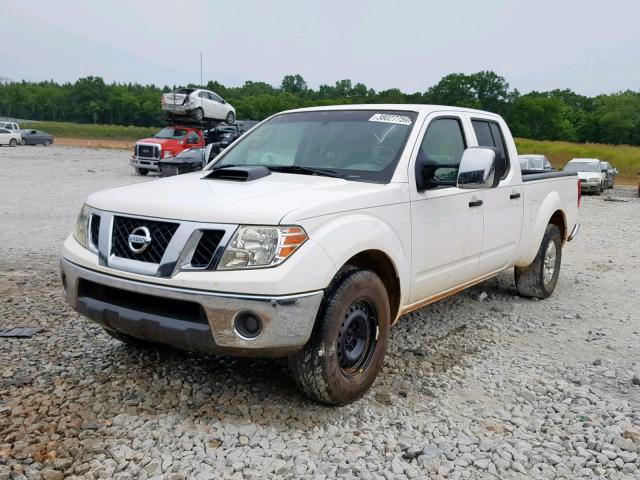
pixel 533 229
pixel 345 235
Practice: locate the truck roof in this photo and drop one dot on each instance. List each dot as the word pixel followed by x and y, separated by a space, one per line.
pixel 412 107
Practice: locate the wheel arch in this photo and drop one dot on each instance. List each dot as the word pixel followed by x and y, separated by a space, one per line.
pixel 382 265
pixel 549 212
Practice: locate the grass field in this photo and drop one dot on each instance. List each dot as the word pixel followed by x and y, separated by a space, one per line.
pixel 91 131
pixel 624 157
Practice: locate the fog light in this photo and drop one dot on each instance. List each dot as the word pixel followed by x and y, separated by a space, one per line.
pixel 247 324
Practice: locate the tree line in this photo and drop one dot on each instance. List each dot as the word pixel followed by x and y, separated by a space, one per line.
pixel 552 115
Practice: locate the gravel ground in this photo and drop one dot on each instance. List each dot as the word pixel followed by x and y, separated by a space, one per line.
pixel 484 384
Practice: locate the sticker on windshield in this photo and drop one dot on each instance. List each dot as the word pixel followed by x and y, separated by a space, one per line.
pixel 388 118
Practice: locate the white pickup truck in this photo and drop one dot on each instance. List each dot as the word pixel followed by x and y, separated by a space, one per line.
pixel 311 235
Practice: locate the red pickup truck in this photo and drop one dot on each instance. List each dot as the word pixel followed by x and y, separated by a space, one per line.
pixel 168 142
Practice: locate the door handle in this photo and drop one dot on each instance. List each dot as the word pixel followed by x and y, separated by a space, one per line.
pixel 475 203
pixel 513 196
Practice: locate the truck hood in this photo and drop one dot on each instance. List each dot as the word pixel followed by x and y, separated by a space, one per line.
pixel 161 141
pixel 589 175
pixel 263 201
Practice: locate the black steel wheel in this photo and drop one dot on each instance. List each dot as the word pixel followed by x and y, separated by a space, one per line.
pixel 357 337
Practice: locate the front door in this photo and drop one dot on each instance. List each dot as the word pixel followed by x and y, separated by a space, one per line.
pixel 447 222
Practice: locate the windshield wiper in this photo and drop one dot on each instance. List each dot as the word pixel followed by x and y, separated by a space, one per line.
pixel 325 172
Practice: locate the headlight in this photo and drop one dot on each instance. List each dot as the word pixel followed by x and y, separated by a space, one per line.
pixel 259 247
pixel 82 226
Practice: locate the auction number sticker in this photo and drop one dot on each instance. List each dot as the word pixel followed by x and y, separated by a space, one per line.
pixel 389 118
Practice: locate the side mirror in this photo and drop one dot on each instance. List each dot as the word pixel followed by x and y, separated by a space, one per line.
pixel 207 153
pixel 477 168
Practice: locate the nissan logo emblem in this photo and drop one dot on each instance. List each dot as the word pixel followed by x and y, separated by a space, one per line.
pixel 139 239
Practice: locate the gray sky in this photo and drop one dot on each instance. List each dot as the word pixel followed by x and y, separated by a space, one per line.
pixel 587 45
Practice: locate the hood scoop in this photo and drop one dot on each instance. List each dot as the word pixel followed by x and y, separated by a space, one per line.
pixel 238 174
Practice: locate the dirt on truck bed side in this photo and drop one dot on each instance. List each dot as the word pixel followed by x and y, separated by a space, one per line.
pixel 484 383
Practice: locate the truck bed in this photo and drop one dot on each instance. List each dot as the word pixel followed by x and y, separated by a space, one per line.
pixel 531 175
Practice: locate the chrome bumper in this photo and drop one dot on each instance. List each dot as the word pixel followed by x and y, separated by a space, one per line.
pixel 128 307
pixel 574 232
pixel 146 163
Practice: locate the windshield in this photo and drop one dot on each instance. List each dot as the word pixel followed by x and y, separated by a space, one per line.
pixel 362 145
pixel 171 133
pixel 532 163
pixel 582 167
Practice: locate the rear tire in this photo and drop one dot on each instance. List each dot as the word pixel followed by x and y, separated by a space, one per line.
pixel 141 171
pixel 13 142
pixel 230 118
pixel 539 279
pixel 349 341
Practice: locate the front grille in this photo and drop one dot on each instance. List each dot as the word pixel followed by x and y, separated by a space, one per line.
pixel 95 229
pixel 141 302
pixel 203 254
pixel 160 233
pixel 148 151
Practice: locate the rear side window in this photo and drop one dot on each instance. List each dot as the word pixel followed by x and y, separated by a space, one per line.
pixel 193 138
pixel 441 151
pixel 489 134
pixel 4 130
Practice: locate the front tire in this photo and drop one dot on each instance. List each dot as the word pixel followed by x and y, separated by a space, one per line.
pixel 13 142
pixel 230 118
pixel 539 279
pixel 46 143
pixel 198 114
pixel 349 341
pixel 23 142
pixel 141 171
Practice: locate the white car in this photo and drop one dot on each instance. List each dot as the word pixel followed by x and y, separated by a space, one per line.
pixel 198 103
pixel 591 172
pixel 9 137
pixel 535 163
pixel 314 232
pixel 10 126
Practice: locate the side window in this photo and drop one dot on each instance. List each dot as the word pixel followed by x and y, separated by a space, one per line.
pixel 215 97
pixel 489 135
pixel 441 151
pixel 193 138
pixel 3 130
pixel 203 95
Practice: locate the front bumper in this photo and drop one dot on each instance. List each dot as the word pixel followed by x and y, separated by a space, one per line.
pixel 590 187
pixel 191 319
pixel 146 163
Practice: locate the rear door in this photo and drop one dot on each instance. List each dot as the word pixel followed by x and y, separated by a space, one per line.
pixel 446 221
pixel 220 107
pixel 206 104
pixel 504 205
